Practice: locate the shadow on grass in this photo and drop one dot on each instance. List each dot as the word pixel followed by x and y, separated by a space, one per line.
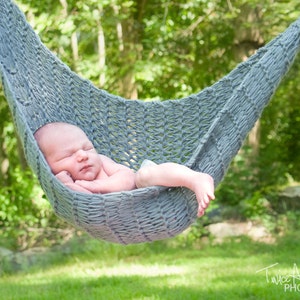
pixel 89 269
pixel 87 249
pixel 139 287
pixel 226 271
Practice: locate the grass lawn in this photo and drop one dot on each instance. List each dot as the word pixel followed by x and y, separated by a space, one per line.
pixel 89 269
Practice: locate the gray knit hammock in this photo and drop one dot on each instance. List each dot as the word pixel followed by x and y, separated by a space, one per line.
pixel 202 131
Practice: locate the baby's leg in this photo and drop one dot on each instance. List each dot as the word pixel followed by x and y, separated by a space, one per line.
pixel 173 175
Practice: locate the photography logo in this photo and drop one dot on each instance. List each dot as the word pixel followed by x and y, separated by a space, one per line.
pixel 289 280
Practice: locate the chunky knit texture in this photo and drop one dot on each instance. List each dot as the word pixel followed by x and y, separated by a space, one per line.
pixel 203 131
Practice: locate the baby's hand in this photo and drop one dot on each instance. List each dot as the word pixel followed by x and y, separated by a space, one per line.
pixel 64 177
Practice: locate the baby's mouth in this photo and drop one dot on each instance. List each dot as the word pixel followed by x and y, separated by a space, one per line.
pixel 85 168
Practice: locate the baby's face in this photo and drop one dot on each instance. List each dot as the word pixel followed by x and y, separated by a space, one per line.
pixel 67 148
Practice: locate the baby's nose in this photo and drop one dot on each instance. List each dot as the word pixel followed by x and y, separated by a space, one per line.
pixel 81 155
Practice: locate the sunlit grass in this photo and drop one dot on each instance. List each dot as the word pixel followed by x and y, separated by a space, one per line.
pixel 96 270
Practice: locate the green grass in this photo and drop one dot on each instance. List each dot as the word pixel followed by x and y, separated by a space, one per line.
pixel 89 269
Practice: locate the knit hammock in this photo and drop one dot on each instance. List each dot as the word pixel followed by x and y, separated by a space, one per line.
pixel 202 131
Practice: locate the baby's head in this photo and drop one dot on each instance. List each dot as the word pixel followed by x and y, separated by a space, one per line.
pixel 67 148
pixel 54 135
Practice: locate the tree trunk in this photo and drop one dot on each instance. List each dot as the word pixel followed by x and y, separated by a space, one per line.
pixel 101 49
pixel 129 56
pixel 75 53
pixel 74 40
pixel 248 39
pixel 130 33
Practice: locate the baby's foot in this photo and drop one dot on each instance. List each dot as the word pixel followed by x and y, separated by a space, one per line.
pixel 204 192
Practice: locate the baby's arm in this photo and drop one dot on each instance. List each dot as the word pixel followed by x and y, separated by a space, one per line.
pixel 171 174
pixel 119 178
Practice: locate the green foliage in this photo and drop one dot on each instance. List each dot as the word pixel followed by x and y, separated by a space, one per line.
pixel 22 203
pixel 22 206
pixel 279 134
pixel 14 200
pixel 241 180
